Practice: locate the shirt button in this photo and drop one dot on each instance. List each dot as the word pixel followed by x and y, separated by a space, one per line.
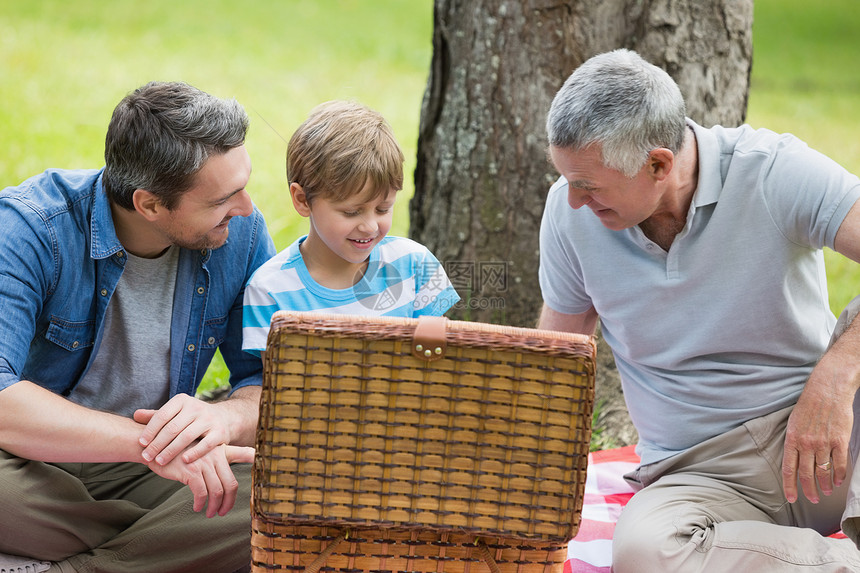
pixel 75 344
pixel 211 340
pixel 203 252
pixel 200 290
pixel 104 292
pixel 190 348
pixel 120 255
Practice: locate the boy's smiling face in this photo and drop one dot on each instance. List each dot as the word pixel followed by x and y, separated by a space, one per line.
pixel 342 233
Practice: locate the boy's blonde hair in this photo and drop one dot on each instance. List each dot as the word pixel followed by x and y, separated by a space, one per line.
pixel 342 147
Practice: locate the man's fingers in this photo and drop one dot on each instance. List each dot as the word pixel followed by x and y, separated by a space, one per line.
pixel 143 415
pixel 239 454
pixel 222 485
pixel 158 420
pixel 184 426
pixel 230 485
pixel 816 474
pixel 840 465
pixel 789 474
pixel 806 475
pixel 214 488
pixel 173 438
pixel 206 444
pixel 197 484
pixel 824 471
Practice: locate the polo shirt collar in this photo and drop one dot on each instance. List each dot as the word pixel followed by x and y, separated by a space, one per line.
pixel 710 182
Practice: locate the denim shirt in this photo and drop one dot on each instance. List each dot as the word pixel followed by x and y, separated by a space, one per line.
pixel 60 265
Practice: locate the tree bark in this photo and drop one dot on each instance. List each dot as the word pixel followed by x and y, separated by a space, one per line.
pixel 482 173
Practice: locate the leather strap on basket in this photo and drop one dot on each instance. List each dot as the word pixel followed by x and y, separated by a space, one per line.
pixel 318 563
pixel 429 341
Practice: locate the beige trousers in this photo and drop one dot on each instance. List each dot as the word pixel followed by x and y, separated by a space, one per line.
pixel 719 507
pixel 117 518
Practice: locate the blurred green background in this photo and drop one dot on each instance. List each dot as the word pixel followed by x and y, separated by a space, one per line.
pixel 65 65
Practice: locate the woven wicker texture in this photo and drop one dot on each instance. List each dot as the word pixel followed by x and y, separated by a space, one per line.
pixel 422 465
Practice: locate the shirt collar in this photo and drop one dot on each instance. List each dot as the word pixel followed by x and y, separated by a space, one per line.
pixel 710 182
pixel 103 239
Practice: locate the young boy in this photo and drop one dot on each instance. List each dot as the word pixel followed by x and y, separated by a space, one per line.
pixel 344 168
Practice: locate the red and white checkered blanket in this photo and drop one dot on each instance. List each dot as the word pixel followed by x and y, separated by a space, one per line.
pixel 606 493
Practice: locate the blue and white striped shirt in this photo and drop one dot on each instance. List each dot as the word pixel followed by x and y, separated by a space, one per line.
pixel 403 278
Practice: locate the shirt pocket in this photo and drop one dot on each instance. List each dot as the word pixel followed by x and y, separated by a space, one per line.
pixel 71 335
pixel 214 332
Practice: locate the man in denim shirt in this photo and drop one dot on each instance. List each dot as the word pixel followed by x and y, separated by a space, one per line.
pixel 116 288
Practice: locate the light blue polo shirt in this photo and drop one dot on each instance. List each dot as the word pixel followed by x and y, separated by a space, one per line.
pixel 728 324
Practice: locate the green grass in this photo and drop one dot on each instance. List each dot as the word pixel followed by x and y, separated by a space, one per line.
pixel 64 66
pixel 600 440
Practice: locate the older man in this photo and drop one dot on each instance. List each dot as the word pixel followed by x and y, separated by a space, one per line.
pixel 699 250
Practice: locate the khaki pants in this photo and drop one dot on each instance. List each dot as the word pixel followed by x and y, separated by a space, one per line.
pixel 720 507
pixel 117 517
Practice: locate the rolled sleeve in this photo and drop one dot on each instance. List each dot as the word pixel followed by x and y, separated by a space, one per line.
pixel 25 279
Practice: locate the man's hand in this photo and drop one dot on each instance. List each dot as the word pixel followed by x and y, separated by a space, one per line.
pixel 819 430
pixel 182 421
pixel 210 478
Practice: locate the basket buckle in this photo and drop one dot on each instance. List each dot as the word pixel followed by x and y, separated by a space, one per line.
pixel 429 341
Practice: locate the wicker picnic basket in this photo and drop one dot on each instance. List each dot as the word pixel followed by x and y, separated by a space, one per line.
pixel 391 444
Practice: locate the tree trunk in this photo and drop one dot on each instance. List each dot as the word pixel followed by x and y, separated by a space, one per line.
pixel 482 173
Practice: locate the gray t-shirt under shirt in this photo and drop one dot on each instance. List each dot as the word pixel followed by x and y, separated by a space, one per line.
pixel 132 367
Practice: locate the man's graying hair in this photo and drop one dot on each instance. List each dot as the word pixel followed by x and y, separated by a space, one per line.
pixel 161 135
pixel 623 103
